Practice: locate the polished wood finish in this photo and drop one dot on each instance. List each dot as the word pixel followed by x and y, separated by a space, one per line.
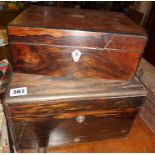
pixel 105 63
pixel 140 140
pixel 50 114
pixel 135 143
pixel 76 19
pixel 76 38
pixel 111 45
pixel 63 129
pixel 48 88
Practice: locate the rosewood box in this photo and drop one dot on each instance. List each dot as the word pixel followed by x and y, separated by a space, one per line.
pixel 61 111
pixel 75 43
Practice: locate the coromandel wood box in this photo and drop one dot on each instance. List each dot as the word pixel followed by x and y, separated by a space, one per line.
pixel 61 111
pixel 75 43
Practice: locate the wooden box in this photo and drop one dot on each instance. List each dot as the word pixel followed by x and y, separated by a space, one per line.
pixel 62 111
pixel 75 43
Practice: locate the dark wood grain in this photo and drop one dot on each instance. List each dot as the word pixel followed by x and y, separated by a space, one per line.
pixel 48 88
pixel 140 133
pixel 47 125
pixel 68 131
pixel 140 139
pixel 67 109
pixel 76 19
pixel 47 115
pixel 111 44
pixel 77 38
pixel 58 61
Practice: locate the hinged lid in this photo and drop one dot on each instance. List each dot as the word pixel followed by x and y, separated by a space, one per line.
pixel 45 88
pixel 76 19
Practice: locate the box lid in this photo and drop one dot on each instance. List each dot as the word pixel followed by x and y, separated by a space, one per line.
pixel 76 19
pixel 45 88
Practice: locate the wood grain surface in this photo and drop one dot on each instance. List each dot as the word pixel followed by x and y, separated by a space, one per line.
pixel 55 124
pixel 76 38
pixel 140 140
pixel 58 61
pixel 48 88
pixel 42 43
pixel 67 131
pixel 76 19
pixel 48 115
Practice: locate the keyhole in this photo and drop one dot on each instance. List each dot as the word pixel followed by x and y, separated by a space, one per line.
pixel 76 54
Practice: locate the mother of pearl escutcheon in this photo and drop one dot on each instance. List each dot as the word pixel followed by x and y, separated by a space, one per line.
pixel 76 54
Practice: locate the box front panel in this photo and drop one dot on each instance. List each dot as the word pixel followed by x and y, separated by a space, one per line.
pixel 74 62
pixel 69 131
pixel 70 122
pixel 125 52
